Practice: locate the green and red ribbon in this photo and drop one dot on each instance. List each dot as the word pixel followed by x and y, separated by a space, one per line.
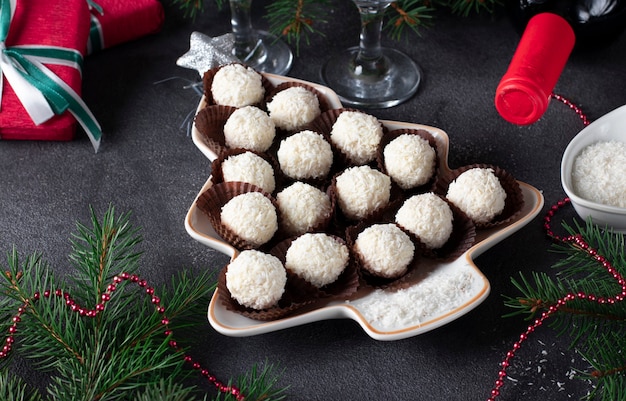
pixel 42 93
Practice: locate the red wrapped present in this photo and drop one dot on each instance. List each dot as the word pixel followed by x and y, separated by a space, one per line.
pixel 42 44
pixel 119 21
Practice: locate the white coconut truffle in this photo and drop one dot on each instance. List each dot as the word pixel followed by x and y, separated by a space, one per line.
pixel 302 207
pixel 409 160
pixel 237 85
pixel 478 193
pixel 362 190
pixel 251 216
pixel 357 135
pixel 386 250
pixel 249 128
pixel 305 155
pixel 318 258
pixel 251 168
pixel 428 217
pixel 256 280
pixel 294 107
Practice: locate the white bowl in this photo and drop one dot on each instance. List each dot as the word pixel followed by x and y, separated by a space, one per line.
pixel 610 127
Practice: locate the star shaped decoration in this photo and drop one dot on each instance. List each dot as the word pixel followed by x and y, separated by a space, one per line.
pixel 206 52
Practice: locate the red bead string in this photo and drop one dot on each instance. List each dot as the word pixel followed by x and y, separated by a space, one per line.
pixel 572 106
pixel 579 242
pixel 106 297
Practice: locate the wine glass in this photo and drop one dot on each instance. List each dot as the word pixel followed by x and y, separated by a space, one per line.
pixel 369 75
pixel 258 49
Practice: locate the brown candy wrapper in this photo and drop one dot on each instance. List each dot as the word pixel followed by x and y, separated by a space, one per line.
pixel 211 201
pixel 324 125
pixel 298 295
pixel 372 280
pixel 384 213
pixel 210 123
pixel 323 225
pixel 390 136
pixel 514 197
pixel 207 82
pixel 324 103
pixel 343 288
pixel 217 176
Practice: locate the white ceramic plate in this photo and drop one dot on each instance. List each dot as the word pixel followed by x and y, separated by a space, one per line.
pixel 475 285
pixel 330 95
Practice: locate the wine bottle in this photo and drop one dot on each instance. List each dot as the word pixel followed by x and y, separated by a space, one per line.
pixel 523 94
pixel 596 23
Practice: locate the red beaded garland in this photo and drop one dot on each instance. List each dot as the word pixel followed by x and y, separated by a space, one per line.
pixel 572 106
pixel 106 297
pixel 580 242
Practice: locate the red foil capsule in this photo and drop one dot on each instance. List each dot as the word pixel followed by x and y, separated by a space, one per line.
pixel 523 94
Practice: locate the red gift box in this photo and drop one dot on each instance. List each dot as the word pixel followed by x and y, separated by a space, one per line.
pixel 48 24
pixel 120 21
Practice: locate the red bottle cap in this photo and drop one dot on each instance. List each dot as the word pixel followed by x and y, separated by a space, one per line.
pixel 524 91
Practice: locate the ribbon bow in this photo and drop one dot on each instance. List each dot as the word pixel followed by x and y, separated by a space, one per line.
pixel 42 93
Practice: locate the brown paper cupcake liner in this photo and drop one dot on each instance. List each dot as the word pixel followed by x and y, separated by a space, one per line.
pixel 343 288
pixel 210 123
pixel 324 103
pixel 287 180
pixel 514 197
pixel 462 238
pixel 372 280
pixel 217 177
pixel 297 296
pixel 384 213
pixel 324 125
pixel 207 82
pixel 390 136
pixel 211 201
pixel 323 225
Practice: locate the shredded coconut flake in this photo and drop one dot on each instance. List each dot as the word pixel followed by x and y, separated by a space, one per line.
pixel 437 294
pixel 478 193
pixel 249 128
pixel 318 258
pixel 357 135
pixel 305 155
pixel 251 168
pixel 256 279
pixel 409 160
pixel 362 190
pixel 598 173
pixel 385 249
pixel 236 85
pixel 252 216
pixel 428 217
pixel 294 107
pixel 302 207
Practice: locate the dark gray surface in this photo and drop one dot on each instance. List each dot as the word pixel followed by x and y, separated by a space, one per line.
pixel 149 166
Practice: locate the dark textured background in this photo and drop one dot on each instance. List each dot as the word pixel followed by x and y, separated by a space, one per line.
pixel 149 166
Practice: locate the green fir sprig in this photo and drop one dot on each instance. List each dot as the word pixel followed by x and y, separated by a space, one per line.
pixel 121 353
pixel 597 331
pixel 297 20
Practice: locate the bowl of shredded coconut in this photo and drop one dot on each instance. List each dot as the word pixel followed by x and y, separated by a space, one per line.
pixel 592 171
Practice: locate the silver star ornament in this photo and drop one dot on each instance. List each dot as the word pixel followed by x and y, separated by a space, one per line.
pixel 206 52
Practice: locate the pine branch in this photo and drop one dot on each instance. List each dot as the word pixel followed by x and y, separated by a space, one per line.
pixel 13 388
pixel 596 329
pixel 258 385
pixel 296 20
pixel 125 351
pixel 408 14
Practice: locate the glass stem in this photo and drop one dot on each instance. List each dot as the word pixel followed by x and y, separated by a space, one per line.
pixel 246 40
pixel 370 60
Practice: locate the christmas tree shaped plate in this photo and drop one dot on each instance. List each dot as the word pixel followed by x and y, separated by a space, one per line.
pixel 437 294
